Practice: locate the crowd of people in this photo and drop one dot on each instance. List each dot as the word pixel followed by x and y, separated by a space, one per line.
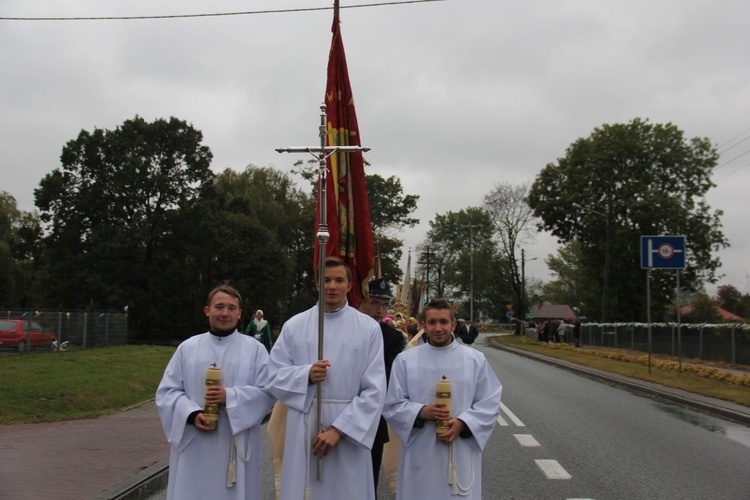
pixel 398 392
pixel 555 331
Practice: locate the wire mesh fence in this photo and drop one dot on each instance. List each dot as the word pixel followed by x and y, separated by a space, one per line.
pixel 73 328
pixel 728 343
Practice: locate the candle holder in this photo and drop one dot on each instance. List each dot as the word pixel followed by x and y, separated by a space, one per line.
pixel 211 411
pixel 443 395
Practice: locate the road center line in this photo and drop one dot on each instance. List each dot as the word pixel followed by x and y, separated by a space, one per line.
pixel 552 469
pixel 510 414
pixel 526 440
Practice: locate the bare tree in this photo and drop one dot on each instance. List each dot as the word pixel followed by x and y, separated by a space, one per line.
pixel 514 226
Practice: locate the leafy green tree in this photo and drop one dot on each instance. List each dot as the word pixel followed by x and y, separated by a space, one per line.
pixel 390 212
pixel 20 232
pixel 389 250
pixel 744 307
pixel 452 239
pixel 107 212
pixel 250 228
pixel 702 310
pixel 622 182
pixel 571 285
pixel 278 244
pixel 729 298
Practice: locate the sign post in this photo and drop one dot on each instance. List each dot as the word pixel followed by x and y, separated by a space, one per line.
pixel 660 252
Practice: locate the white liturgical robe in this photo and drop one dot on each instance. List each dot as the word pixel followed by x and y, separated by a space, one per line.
pixel 475 399
pixel 199 462
pixel 353 395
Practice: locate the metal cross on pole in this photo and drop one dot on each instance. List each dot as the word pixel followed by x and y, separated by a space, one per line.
pixel 322 153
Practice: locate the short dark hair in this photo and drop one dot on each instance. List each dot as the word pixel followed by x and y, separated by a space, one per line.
pixel 412 328
pixel 437 304
pixel 337 262
pixel 224 288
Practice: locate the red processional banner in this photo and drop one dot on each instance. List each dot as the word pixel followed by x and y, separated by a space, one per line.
pixel 348 209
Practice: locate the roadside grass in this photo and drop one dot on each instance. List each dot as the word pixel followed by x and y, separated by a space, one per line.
pixel 47 386
pixel 695 377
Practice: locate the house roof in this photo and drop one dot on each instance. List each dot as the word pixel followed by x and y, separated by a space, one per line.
pixel 726 315
pixel 553 311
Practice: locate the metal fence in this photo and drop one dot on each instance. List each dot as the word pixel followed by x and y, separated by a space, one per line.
pixel 710 342
pixel 79 328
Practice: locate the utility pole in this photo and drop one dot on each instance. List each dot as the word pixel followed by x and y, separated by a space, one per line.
pixel 426 256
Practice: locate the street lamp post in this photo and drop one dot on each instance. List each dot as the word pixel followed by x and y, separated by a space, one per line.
pixel 607 251
pixel 471 260
pixel 522 308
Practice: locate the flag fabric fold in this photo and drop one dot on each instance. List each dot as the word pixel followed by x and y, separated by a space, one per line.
pixel 347 205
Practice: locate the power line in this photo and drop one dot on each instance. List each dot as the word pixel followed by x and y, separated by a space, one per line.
pixel 735 145
pixel 216 14
pixel 730 161
pixel 735 137
pixel 726 149
pixel 733 172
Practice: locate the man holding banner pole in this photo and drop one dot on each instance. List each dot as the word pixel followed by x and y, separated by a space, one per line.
pixel 344 248
pixel 352 376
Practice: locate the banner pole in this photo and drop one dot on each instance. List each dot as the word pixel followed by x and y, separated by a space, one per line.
pixel 322 236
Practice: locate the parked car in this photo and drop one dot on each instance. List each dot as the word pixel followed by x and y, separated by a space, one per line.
pixel 14 334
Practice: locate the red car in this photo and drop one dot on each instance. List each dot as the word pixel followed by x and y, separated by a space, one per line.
pixel 14 334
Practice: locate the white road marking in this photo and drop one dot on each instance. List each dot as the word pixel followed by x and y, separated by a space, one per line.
pixel 510 414
pixel 501 421
pixel 526 440
pixel 552 469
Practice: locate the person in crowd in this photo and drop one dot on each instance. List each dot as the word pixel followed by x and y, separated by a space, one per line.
pixel 460 330
pixel 551 331
pixel 561 331
pixel 542 331
pixel 221 462
pixel 353 383
pixel 471 333
pixel 260 329
pixel 413 413
pixel 393 343
pixel 412 329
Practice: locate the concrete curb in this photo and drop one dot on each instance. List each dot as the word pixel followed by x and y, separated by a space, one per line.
pixel 718 407
pixel 139 486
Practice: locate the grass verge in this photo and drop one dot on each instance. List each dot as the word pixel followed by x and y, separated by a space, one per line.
pixel 49 386
pixel 695 378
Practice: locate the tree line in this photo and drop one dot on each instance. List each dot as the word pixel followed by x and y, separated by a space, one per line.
pixel 621 182
pixel 135 217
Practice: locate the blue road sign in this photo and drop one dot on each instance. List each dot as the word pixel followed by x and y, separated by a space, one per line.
pixel 662 252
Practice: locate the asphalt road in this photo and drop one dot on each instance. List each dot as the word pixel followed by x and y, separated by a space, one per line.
pixel 564 436
pixel 573 437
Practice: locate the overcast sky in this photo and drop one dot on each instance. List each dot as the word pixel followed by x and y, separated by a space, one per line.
pixel 452 97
